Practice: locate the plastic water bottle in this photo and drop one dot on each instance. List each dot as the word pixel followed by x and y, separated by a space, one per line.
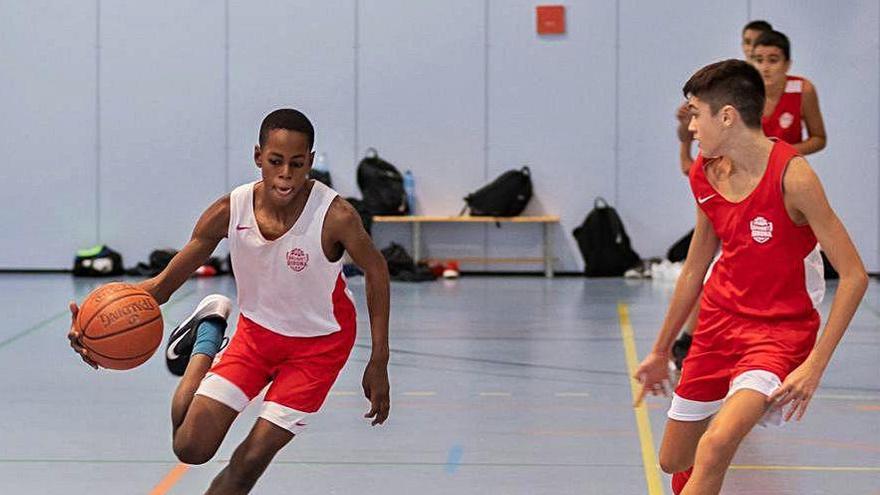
pixel 409 187
pixel 320 164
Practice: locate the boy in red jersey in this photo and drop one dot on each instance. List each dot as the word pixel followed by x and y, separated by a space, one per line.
pixel 791 102
pixel 750 33
pixel 754 352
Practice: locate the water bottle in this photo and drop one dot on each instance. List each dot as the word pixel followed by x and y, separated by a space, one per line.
pixel 409 187
pixel 320 171
pixel 320 164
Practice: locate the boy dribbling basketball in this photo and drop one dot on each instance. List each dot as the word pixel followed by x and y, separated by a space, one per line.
pixel 287 235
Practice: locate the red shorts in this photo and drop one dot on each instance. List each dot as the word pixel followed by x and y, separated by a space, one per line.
pixel 301 371
pixel 730 351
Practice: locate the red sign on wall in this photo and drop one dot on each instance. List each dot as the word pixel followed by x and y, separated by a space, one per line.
pixel 551 19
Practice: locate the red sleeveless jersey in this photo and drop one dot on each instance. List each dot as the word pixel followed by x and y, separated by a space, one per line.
pixel 769 268
pixel 785 122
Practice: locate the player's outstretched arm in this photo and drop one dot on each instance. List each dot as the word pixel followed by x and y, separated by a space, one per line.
pixel 804 192
pixel 345 226
pixel 210 229
pixel 654 369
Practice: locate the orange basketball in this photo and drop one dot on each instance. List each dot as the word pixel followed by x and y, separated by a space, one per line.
pixel 121 325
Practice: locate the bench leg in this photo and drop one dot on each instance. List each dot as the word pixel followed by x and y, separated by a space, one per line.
pixel 417 241
pixel 548 252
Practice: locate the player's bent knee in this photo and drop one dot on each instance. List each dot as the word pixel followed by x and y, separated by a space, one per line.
pixel 715 448
pixel 188 451
pixel 672 462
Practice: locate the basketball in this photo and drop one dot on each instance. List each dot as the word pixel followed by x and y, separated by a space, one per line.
pixel 120 325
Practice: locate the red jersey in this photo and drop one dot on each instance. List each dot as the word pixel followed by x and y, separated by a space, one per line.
pixel 769 267
pixel 785 122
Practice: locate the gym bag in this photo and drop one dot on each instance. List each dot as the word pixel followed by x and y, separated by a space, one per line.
pixel 98 261
pixel 381 185
pixel 604 244
pixel 506 196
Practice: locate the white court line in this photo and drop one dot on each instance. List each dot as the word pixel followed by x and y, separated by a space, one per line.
pixel 572 394
pixel 419 394
pixel 495 394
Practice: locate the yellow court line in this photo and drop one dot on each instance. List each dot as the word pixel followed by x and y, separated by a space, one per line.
pixel 849 469
pixel 649 458
pixel 170 479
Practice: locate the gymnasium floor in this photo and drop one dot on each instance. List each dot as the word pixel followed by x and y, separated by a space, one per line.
pixel 499 386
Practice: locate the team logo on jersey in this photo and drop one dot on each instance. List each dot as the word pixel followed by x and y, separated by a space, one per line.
pixel 785 120
pixel 762 229
pixel 297 259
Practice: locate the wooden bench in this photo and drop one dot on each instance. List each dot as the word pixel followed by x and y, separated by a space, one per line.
pixel 416 222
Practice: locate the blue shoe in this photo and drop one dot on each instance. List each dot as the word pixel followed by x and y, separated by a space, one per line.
pixel 183 337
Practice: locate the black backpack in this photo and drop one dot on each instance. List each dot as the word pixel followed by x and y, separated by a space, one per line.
pixel 506 196
pixel 99 261
pixel 381 186
pixel 366 216
pixel 604 244
pixel 159 259
pixel 322 176
pixel 679 250
pixel 401 266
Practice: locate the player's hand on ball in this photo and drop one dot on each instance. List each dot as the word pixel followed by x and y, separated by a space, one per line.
pixel 377 391
pixel 73 335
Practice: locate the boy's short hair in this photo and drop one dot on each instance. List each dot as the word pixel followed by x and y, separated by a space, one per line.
pixel 730 82
pixel 774 38
pixel 758 25
pixel 289 119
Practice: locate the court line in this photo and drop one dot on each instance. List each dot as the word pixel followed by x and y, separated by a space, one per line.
pixel 170 479
pixel 44 323
pixel 646 439
pixel 741 467
pixel 33 328
pixel 397 351
pixel 863 398
pixel 849 469
pixel 178 471
pixel 343 393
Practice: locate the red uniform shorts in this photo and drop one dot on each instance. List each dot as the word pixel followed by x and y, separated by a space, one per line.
pixel 299 371
pixel 730 352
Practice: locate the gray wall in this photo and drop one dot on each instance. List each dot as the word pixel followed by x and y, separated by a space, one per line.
pixel 123 120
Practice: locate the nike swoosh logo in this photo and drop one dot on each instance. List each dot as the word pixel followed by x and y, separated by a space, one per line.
pixel 707 198
pixel 241 227
pixel 170 353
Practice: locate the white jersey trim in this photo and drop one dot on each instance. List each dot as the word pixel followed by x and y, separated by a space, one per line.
pixel 814 276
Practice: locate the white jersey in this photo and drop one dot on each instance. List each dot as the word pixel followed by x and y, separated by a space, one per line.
pixel 287 285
